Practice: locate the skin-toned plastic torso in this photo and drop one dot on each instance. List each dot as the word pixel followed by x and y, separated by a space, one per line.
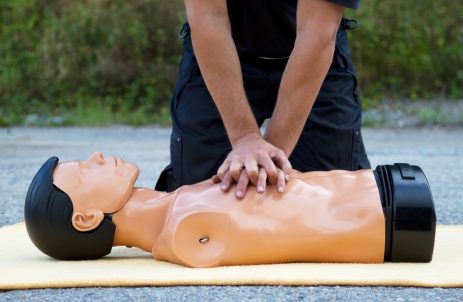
pixel 333 216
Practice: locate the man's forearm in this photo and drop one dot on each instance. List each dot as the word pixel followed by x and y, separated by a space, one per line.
pixel 220 67
pixel 304 74
pixel 297 94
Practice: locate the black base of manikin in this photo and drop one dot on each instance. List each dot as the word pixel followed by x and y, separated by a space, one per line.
pixel 409 211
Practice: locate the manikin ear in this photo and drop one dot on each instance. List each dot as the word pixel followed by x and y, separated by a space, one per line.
pixel 87 221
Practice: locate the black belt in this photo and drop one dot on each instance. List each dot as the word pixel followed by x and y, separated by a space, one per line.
pixel 346 24
pixel 264 61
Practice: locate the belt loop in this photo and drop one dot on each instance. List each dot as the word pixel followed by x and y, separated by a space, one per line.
pixel 184 31
pixel 349 24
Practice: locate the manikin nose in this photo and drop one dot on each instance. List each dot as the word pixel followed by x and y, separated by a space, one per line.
pixel 98 157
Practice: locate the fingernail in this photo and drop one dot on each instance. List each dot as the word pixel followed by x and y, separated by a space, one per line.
pixel 239 193
pixel 260 189
pixel 223 187
pixel 287 177
pixel 280 189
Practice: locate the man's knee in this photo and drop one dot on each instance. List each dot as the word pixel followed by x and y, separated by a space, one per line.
pixel 324 148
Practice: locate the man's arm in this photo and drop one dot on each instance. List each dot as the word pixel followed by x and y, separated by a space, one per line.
pixel 219 63
pixel 220 67
pixel 317 24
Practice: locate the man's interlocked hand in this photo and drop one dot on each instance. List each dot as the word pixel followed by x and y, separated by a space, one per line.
pixel 256 161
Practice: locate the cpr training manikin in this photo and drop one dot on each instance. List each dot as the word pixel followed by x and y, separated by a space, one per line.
pixel 78 210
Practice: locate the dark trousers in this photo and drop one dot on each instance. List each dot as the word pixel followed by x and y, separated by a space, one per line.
pixel 331 138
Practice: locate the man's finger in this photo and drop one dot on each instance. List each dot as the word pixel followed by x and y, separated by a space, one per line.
pixel 262 180
pixel 252 170
pixel 281 181
pixel 216 179
pixel 242 185
pixel 235 167
pixel 227 181
pixel 223 168
pixel 283 163
pixel 266 162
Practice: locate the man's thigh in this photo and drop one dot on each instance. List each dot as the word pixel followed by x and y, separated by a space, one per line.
pixel 331 138
pixel 199 142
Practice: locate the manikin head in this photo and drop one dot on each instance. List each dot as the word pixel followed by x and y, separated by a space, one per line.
pixel 69 205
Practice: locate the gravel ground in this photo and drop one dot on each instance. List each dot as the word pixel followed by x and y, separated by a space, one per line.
pixel 414 113
pixel 438 151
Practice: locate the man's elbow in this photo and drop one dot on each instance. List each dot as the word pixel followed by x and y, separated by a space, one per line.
pixel 320 27
pixel 319 37
pixel 199 17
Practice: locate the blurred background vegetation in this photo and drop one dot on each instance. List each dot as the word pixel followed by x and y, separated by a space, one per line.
pixel 96 62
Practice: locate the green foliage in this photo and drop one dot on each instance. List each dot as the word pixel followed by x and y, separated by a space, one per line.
pixel 97 62
pixel 411 49
pixel 109 60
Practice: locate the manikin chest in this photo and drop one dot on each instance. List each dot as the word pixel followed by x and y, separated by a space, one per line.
pixel 321 217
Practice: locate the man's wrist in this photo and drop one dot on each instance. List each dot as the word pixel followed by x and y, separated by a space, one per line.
pixel 272 137
pixel 236 137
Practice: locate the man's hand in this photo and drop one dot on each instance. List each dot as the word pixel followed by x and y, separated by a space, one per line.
pixel 253 160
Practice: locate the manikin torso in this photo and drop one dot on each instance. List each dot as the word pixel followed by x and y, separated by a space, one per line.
pixel 331 216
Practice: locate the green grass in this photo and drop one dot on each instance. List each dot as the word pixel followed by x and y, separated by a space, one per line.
pixel 429 115
pixel 435 116
pixel 93 115
pixel 98 113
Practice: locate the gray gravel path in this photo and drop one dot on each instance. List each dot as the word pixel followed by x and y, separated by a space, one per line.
pixel 439 151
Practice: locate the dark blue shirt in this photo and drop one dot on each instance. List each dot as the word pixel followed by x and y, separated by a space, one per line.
pixel 267 27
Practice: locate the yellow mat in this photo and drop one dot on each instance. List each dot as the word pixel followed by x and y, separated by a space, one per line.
pixel 22 266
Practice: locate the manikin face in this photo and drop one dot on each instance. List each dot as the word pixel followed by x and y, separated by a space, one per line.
pixel 96 186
